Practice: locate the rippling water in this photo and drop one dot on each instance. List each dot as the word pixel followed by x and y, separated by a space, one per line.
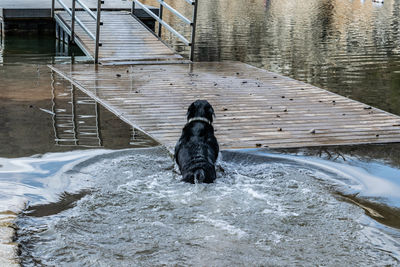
pixel 264 209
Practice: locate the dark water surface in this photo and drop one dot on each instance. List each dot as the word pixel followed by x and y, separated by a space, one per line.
pixel 98 193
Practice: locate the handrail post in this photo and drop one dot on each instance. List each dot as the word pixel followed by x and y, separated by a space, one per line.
pixel 53 3
pixel 96 53
pixel 193 30
pixel 1 35
pixel 133 8
pixel 160 15
pixel 73 22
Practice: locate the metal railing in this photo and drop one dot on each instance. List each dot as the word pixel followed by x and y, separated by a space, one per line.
pixel 96 16
pixel 162 23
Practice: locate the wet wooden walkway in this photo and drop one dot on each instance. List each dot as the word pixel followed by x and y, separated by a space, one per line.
pixel 254 107
pixel 122 36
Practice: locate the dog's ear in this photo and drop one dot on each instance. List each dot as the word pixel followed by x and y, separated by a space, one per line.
pixel 212 111
pixel 190 111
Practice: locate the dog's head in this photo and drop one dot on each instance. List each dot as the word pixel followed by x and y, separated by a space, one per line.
pixel 201 108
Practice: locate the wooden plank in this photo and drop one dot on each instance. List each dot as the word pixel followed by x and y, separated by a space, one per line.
pixel 247 101
pixel 123 38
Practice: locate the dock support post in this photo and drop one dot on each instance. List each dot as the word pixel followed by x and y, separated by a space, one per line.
pixel 193 30
pixel 52 8
pixel 62 36
pixel 96 53
pixel 62 43
pixel 73 22
pixel 57 32
pixel 160 15
pixel 57 39
pixel 1 32
pixel 133 8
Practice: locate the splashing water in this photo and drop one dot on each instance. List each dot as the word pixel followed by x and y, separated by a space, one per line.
pixel 263 209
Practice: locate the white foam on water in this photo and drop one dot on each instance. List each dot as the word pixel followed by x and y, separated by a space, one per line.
pixel 353 177
pixel 255 194
pixel 39 178
pixel 224 225
pixel 372 234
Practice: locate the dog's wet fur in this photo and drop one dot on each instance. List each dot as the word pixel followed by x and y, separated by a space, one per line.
pixel 197 149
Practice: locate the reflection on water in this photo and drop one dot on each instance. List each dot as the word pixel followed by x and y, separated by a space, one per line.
pixel 349 47
pixel 76 121
pixel 264 209
pixel 43 113
pixel 35 49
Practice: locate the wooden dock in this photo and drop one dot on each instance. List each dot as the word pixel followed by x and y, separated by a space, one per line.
pixel 27 16
pixel 122 36
pixel 254 107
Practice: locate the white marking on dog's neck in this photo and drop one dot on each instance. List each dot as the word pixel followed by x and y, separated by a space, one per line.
pixel 199 119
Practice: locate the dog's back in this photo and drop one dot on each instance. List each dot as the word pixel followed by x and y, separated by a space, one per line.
pixel 197 149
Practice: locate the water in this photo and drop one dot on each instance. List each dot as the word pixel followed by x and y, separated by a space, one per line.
pixel 97 192
pixel 264 209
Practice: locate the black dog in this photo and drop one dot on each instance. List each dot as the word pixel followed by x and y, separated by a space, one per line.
pixel 197 149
